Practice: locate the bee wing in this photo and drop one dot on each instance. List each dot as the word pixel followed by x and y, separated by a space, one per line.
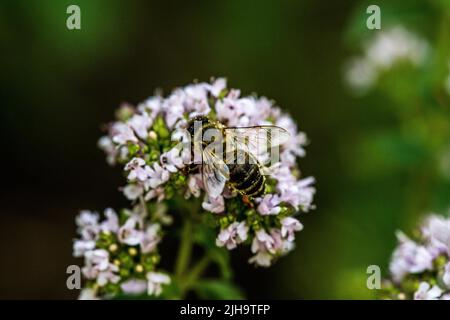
pixel 257 139
pixel 215 173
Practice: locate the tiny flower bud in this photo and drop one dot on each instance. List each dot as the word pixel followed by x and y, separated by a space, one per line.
pixel 132 251
pixel 113 247
pixel 139 268
pixel 152 135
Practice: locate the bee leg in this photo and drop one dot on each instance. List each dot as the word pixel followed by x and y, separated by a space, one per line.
pixel 247 201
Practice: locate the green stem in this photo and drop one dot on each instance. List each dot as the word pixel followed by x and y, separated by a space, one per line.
pixel 195 273
pixel 185 250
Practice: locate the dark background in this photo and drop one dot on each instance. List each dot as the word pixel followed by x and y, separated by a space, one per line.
pixel 59 86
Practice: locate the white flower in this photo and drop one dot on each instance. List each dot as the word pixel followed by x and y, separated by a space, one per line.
pixel 129 234
pixel 87 222
pixel 157 193
pixel 150 238
pixel 269 205
pixel 111 223
pixel 98 259
pixel 446 277
pixel 217 86
pixel 409 257
pixel 122 133
pixel 137 170
pixel 196 99
pixel 152 106
pixel 106 144
pixel 157 175
pixel 264 246
pixel 297 140
pixel 425 293
pixel 215 205
pixel 297 193
pixel 174 107
pixel 140 123
pixel 97 266
pixel 88 294
pixel 172 160
pixel 108 275
pixel 133 191
pixel 263 240
pixel 80 247
pixel 289 226
pixel 439 233
pixel 394 45
pixel 195 185
pixel 134 286
pixel 155 282
pixel 262 259
pixel 232 235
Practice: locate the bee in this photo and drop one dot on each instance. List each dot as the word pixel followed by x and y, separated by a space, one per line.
pixel 233 156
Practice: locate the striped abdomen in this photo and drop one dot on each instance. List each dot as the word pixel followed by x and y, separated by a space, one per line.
pixel 247 179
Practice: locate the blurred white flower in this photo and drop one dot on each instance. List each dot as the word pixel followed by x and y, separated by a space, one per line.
pixel 138 170
pixel 129 232
pixel 134 286
pixel 97 266
pixel 122 133
pixel 215 205
pixel 106 144
pixel 152 106
pixel 217 86
pixel 195 185
pixel 409 257
pixel 446 277
pixel 232 235
pixel 157 175
pixel 289 226
pixel 87 222
pixel 150 238
pixel 80 247
pixel 264 247
pixel 133 191
pixel 140 123
pixel 425 292
pixel 111 223
pixel 155 282
pixel 88 294
pixel 439 229
pixel 385 50
pixel 172 160
pixel 269 205
pixel 157 193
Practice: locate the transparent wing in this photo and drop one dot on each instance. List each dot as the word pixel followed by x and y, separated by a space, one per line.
pixel 215 173
pixel 257 140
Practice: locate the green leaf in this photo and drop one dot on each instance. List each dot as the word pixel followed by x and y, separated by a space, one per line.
pixel 218 289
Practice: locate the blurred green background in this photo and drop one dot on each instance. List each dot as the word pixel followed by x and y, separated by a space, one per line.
pixel 381 161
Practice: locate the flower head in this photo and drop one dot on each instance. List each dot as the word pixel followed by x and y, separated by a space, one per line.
pixel 423 260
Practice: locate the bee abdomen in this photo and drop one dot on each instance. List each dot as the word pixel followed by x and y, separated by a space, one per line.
pixel 247 179
pixel 257 189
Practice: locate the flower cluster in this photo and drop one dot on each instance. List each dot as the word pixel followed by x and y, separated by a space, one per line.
pixel 420 268
pixel 120 253
pixel 144 140
pixel 382 53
